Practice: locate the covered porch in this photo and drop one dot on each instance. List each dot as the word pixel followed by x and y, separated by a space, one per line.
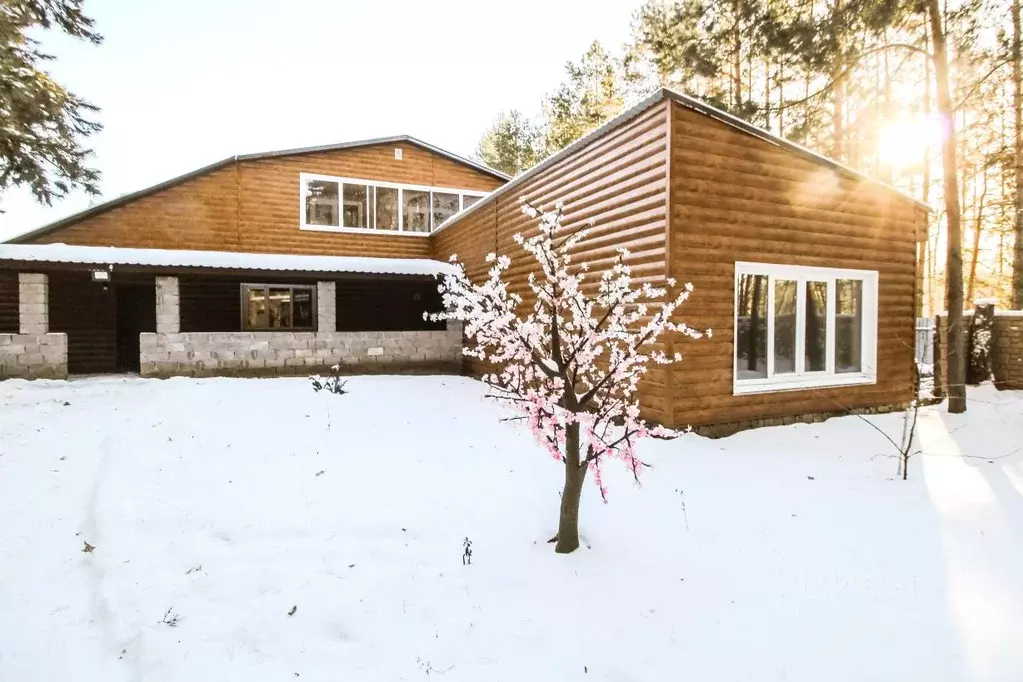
pixel 93 310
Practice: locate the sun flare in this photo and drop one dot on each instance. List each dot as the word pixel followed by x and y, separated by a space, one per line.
pixel 903 143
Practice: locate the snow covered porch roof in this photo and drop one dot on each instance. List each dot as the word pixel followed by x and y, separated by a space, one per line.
pixel 174 260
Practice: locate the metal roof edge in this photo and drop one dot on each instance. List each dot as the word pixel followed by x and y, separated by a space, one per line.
pixel 650 100
pixel 736 122
pixel 626 115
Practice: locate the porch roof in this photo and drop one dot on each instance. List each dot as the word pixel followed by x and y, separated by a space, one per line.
pixel 218 260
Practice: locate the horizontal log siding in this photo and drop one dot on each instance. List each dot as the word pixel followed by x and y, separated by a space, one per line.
pixel 470 239
pixel 270 199
pixel 253 206
pixel 386 305
pixel 618 182
pixel 201 213
pixel 9 296
pixel 737 198
pixel 210 304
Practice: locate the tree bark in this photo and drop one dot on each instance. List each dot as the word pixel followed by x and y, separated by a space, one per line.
pixel 975 256
pixel 954 266
pixel 568 521
pixel 1017 106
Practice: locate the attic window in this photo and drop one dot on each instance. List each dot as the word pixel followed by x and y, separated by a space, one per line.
pixel 397 153
pixel 333 204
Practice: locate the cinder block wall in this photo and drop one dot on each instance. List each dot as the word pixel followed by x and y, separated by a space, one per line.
pixel 33 356
pixel 299 353
pixel 1006 350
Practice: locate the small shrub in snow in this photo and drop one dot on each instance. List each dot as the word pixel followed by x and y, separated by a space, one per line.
pixel 571 359
pixel 170 618
pixel 467 551
pixel 332 384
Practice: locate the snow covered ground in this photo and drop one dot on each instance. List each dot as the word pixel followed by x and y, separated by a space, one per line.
pixel 225 505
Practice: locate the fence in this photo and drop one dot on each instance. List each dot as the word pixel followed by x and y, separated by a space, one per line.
pixel 925 341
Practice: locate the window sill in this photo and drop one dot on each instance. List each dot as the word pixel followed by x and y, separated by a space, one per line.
pixel 776 385
pixel 361 230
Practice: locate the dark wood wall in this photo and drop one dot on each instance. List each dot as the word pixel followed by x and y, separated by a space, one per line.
pixel 213 304
pixel 617 181
pixel 253 206
pixel 386 305
pixel 735 197
pixel 87 312
pixel 210 304
pixel 8 302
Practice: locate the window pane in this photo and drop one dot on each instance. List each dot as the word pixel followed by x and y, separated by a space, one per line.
pixel 255 308
pixel 784 326
pixel 279 308
pixel 751 336
pixel 444 206
pixel 321 203
pixel 387 208
pixel 848 325
pixel 355 205
pixel 469 199
pixel 303 308
pixel 816 339
pixel 416 210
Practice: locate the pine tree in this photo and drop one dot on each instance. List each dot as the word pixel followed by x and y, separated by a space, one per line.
pixel 44 124
pixel 512 144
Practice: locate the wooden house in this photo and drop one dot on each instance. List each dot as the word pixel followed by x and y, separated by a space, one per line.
pixel 804 269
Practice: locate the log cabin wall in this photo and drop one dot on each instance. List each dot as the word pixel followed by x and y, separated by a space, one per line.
pixel 617 180
pixel 253 206
pixel 9 297
pixel 269 191
pixel 735 197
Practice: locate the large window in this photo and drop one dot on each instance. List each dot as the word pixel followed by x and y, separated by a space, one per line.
pixel 335 204
pixel 278 307
pixel 803 327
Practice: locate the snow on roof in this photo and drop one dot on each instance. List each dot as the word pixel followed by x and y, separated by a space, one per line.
pixel 108 255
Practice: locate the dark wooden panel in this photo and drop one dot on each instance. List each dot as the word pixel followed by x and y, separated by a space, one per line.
pixel 8 302
pixel 210 304
pixel 386 305
pixel 86 312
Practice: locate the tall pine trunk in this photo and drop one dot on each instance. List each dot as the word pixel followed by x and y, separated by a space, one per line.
pixel 977 225
pixel 568 521
pixel 1017 107
pixel 954 342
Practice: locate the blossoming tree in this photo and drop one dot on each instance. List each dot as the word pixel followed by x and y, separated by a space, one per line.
pixel 570 358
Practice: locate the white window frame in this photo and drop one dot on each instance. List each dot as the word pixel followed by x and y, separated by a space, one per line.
pixel 304 178
pixel 801 379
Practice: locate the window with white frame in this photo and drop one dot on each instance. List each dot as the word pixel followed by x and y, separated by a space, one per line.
pixel 336 204
pixel 803 327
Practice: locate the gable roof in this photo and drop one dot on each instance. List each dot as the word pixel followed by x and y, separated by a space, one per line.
pixel 223 163
pixel 660 95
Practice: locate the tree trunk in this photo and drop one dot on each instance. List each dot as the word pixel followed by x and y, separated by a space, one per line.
pixel 975 256
pixel 954 268
pixel 1017 106
pixel 568 521
pixel 838 98
pixel 925 194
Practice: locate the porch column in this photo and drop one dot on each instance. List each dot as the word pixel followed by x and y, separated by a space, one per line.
pixel 168 306
pixel 33 303
pixel 326 307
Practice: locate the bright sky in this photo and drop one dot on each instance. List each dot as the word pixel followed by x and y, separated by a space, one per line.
pixel 183 83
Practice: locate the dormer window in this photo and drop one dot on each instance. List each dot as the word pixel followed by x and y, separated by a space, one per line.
pixel 334 204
